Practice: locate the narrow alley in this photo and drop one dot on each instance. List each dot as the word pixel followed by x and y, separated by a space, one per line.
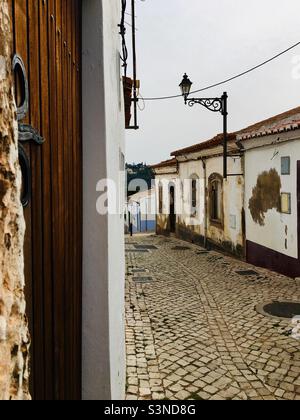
pixel 194 331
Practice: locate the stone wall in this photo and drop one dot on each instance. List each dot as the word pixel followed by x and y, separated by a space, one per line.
pixel 14 337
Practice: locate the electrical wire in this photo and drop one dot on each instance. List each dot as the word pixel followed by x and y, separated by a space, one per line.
pixel 124 56
pixel 129 24
pixel 230 79
pixel 141 107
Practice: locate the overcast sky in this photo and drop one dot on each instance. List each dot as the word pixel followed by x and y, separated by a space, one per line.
pixel 211 41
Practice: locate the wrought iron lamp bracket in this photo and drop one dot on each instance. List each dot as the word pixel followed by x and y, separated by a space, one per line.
pixel 215 105
pixel 212 104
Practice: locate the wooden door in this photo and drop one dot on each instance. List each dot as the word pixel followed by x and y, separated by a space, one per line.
pixel 46 42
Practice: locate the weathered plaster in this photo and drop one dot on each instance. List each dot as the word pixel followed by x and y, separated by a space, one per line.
pixel 194 227
pixel 221 235
pixel 14 338
pixel 278 232
pixel 265 195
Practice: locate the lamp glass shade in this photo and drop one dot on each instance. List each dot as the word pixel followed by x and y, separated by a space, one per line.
pixel 185 85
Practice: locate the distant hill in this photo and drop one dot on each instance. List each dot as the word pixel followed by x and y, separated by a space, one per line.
pixel 138 171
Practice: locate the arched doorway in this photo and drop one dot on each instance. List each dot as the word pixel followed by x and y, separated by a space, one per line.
pixel 172 209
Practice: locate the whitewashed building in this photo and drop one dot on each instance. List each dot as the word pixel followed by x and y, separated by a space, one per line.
pixel 141 212
pixel 212 211
pixel 272 192
pixel 103 324
pixel 208 210
pixel 254 214
pixel 166 178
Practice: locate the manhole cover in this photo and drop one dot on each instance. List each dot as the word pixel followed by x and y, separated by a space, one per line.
pixel 143 279
pixel 181 248
pixel 145 247
pixel 247 273
pixel 277 309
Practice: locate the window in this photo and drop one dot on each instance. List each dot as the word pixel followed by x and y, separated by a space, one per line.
pixel 286 207
pixel 194 196
pixel 160 199
pixel 194 193
pixel 285 165
pixel 216 198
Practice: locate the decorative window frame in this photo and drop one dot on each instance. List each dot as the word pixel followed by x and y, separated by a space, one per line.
pixel 215 177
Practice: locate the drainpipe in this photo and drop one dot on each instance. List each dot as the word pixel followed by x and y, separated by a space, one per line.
pixel 205 203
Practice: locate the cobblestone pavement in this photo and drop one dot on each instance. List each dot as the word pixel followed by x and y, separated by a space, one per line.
pixel 193 331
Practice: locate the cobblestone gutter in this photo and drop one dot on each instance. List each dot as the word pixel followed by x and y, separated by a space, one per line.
pixel 14 338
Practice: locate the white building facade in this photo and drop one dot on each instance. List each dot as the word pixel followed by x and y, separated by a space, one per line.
pixel 103 365
pixel 141 212
pixel 272 192
pixel 166 187
pixel 209 210
pixel 254 213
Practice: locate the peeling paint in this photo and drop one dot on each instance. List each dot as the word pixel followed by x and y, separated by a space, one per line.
pixel 162 225
pixel 265 196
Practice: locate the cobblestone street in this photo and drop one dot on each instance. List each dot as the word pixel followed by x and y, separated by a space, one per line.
pixel 193 331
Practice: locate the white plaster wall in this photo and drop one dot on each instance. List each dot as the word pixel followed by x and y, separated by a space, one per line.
pixel 103 250
pixel 233 198
pixel 188 170
pixel 273 234
pixel 166 180
pixel 146 206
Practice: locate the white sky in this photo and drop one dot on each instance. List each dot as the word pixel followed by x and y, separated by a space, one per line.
pixel 211 41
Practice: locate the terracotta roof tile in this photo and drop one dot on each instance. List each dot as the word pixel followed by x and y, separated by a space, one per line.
pixel 215 141
pixel 165 164
pixel 281 123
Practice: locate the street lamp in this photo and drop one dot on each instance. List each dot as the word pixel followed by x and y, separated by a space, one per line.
pixel 185 86
pixel 212 104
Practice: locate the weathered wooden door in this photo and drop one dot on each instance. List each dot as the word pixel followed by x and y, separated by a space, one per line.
pixel 46 44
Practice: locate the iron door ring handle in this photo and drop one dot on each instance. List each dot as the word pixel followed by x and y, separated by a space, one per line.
pixel 26 177
pixel 19 69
